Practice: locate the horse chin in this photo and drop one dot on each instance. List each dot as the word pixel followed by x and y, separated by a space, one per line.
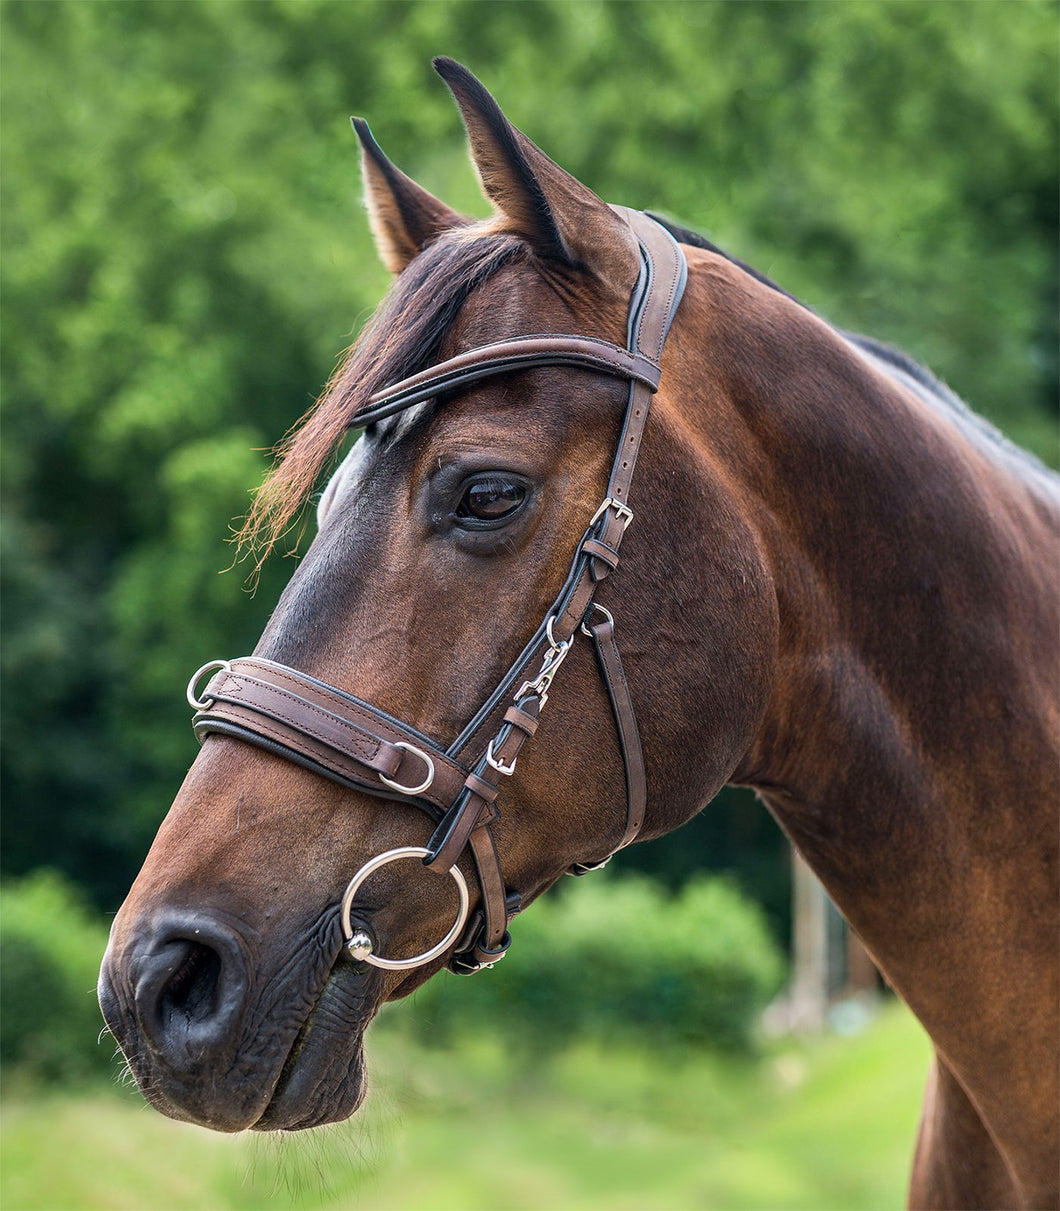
pixel 323 1079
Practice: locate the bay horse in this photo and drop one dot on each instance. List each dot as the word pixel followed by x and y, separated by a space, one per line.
pixel 839 588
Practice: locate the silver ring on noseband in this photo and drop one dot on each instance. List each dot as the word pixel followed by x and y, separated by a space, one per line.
pixel 204 704
pixel 411 790
pixel 360 944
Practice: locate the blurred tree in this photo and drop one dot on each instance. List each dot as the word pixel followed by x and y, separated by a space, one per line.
pixel 184 259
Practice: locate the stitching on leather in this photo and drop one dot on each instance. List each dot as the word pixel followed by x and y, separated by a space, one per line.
pixel 626 366
pixel 370 747
pixel 341 704
pixel 661 343
pixel 262 725
pixel 331 760
pixel 617 672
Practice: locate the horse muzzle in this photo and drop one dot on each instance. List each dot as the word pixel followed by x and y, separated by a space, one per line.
pixel 210 1043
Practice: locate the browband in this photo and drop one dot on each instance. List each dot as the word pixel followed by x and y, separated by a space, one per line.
pixel 354 743
pixel 519 353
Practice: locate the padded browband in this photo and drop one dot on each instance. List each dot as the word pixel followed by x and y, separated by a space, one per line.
pixel 503 357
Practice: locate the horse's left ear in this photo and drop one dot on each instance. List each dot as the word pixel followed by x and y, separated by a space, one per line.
pixel 405 218
pixel 561 219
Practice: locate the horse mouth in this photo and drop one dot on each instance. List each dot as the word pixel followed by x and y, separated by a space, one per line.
pixel 243 1085
pixel 323 1079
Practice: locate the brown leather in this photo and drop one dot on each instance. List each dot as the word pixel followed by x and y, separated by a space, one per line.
pixel 332 729
pixel 606 649
pixel 504 357
pixel 453 834
pixel 341 736
pixel 521 719
pixel 496 904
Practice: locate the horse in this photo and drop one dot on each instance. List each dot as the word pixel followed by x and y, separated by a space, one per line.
pixel 830 581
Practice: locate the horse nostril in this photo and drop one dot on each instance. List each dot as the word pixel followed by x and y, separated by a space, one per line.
pixel 192 990
pixel 189 983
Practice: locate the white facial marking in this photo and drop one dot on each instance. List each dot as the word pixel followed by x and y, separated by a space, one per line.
pixel 348 473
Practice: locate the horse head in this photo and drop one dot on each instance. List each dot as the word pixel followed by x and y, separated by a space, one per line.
pixel 408 693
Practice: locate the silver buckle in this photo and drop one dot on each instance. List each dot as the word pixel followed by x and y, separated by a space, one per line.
pixel 624 512
pixel 425 758
pixel 498 765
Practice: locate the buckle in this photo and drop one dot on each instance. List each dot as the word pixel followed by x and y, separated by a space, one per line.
pixel 465 963
pixel 555 654
pixel 498 765
pixel 587 868
pixel 624 512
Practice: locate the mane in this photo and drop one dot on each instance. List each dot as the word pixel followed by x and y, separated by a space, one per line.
pixel 894 358
pixel 402 338
pixel 894 362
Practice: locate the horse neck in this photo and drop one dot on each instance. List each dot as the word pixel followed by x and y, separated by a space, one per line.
pixel 908 745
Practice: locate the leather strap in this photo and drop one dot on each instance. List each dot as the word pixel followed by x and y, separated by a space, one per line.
pixel 472 810
pixel 614 678
pixel 504 357
pixel 339 733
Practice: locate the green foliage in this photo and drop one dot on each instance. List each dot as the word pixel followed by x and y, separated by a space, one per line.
pixel 184 259
pixel 50 948
pixel 618 959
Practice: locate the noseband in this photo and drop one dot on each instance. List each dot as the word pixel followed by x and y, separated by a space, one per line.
pixel 357 745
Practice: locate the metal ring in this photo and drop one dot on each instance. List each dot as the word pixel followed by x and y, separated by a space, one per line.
pixel 392 855
pixel 603 610
pixel 411 790
pixel 204 704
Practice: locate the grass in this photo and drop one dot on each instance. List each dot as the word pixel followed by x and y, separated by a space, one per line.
pixel 823 1124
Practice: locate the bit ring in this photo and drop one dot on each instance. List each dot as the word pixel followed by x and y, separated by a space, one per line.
pixel 373 864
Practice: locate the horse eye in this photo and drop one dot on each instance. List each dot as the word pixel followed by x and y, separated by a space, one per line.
pixel 491 499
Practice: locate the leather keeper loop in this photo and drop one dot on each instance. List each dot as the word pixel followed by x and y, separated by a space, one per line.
pixel 524 721
pixel 479 786
pixel 485 954
pixel 601 551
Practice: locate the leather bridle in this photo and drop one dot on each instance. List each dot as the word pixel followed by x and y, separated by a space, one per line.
pixel 357 745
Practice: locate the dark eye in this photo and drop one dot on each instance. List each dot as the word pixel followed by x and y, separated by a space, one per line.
pixel 491 499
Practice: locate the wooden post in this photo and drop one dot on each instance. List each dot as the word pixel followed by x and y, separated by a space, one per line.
pixel 863 979
pixel 810 980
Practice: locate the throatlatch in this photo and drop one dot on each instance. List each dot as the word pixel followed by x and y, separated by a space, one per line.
pixel 357 745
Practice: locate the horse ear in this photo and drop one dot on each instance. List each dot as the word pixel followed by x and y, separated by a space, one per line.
pixel 562 219
pixel 405 218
